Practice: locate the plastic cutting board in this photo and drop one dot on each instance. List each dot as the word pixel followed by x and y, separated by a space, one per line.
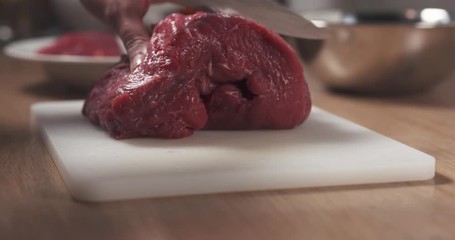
pixel 325 150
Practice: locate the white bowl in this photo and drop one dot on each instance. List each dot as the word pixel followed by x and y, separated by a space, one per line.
pixel 80 71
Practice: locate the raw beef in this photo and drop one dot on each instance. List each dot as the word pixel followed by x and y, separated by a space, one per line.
pixel 84 44
pixel 203 71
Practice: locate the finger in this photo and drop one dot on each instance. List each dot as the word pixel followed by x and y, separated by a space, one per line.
pixel 135 38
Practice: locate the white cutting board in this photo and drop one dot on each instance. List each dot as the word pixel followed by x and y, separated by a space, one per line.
pixel 325 150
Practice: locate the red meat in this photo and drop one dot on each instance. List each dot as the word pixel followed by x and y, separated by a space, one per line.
pixel 203 71
pixel 84 44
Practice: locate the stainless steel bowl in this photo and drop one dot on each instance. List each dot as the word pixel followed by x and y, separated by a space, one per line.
pixel 382 52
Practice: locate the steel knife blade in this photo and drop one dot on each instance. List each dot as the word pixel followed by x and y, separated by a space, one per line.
pixel 276 17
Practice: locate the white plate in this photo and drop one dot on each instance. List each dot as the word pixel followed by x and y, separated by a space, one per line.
pixel 76 70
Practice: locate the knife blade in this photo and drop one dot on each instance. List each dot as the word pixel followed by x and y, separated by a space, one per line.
pixel 276 17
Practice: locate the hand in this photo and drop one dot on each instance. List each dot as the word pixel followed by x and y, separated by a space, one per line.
pixel 126 17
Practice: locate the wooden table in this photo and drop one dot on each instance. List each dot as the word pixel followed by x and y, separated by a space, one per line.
pixel 34 203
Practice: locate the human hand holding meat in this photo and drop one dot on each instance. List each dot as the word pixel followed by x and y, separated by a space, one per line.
pixel 126 17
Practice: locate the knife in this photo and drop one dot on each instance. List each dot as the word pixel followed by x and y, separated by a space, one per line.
pixel 270 14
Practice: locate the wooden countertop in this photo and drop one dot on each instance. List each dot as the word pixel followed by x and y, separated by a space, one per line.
pixel 34 203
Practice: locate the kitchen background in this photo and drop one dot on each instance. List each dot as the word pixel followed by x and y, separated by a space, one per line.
pixel 301 5
pixel 28 18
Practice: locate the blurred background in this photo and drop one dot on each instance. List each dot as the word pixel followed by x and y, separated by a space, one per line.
pixel 31 18
pixel 302 5
pixel 384 57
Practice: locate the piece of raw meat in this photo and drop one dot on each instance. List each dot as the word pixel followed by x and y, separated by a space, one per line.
pixel 203 71
pixel 86 43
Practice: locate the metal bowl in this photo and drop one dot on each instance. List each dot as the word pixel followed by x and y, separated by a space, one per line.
pixel 382 52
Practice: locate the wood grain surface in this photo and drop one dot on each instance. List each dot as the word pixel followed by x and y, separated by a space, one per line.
pixel 34 203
